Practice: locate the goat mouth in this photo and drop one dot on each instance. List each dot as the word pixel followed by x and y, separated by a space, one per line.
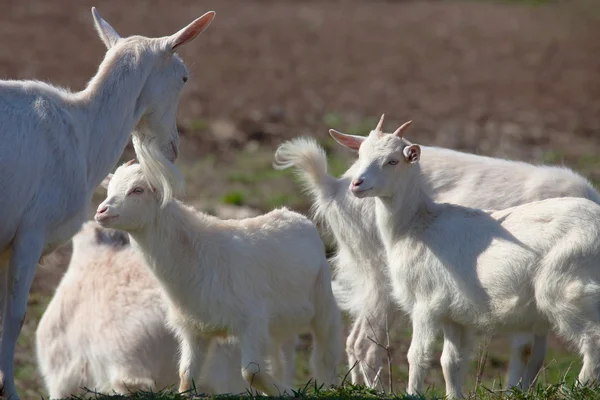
pixel 175 152
pixel 360 192
pixel 103 218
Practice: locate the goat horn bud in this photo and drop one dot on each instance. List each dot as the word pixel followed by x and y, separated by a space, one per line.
pixel 380 123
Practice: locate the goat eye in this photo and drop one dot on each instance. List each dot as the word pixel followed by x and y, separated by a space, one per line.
pixel 137 190
pixel 185 79
pixel 393 162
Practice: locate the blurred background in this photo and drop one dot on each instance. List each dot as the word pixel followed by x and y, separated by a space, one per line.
pixel 518 79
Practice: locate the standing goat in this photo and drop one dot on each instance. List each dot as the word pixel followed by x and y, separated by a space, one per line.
pixel 362 285
pixel 263 279
pixel 529 268
pixel 105 328
pixel 57 146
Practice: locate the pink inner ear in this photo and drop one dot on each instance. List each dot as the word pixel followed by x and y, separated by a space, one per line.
pixel 194 29
pixel 413 153
pixel 346 140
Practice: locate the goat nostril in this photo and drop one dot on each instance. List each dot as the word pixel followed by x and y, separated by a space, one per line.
pixel 357 182
pixel 102 210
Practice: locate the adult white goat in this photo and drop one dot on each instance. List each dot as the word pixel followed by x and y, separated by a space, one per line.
pixel 105 328
pixel 57 146
pixel 528 268
pixel 362 285
pixel 262 279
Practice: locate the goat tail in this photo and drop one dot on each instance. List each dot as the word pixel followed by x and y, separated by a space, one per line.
pixel 309 159
pixel 327 330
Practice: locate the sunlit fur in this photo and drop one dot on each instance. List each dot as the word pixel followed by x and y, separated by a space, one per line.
pixel 161 173
pixel 262 279
pixel 362 285
pixel 528 268
pixel 57 146
pixel 105 328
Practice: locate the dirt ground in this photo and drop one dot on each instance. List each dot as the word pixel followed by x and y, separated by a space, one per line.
pixel 499 78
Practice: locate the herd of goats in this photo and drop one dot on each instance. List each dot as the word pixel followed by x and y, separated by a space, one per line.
pixel 158 294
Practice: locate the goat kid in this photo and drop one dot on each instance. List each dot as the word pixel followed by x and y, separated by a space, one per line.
pixel 361 284
pixel 262 280
pixel 528 268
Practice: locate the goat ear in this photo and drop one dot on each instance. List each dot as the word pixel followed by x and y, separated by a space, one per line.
pixel 191 31
pixel 350 141
pixel 106 32
pixel 106 181
pixel 412 153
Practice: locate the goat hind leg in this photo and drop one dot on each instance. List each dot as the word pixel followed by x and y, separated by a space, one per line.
pixel 352 343
pixel 590 348
pixel 288 348
pixel 528 352
pixel 126 385
pixel 3 292
pixel 535 360
pixel 254 345
pixel 278 367
pixel 455 356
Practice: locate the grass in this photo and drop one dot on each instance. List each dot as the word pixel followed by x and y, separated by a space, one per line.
pixel 558 391
pixel 235 198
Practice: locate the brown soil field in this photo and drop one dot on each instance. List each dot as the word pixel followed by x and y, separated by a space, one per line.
pixel 509 79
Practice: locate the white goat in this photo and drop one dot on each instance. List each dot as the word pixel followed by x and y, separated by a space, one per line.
pixel 58 146
pixel 362 285
pixel 105 328
pixel 528 268
pixel 262 280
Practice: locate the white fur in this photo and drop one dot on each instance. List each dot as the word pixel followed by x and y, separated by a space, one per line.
pixel 362 285
pixel 105 328
pixel 58 145
pixel 462 270
pixel 262 280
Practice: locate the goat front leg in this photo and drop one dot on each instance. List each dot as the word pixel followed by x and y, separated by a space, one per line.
pixel 254 343
pixel 458 343
pixel 193 349
pixel 420 353
pixel 26 252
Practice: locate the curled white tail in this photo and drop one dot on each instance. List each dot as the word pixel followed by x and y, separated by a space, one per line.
pixel 310 161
